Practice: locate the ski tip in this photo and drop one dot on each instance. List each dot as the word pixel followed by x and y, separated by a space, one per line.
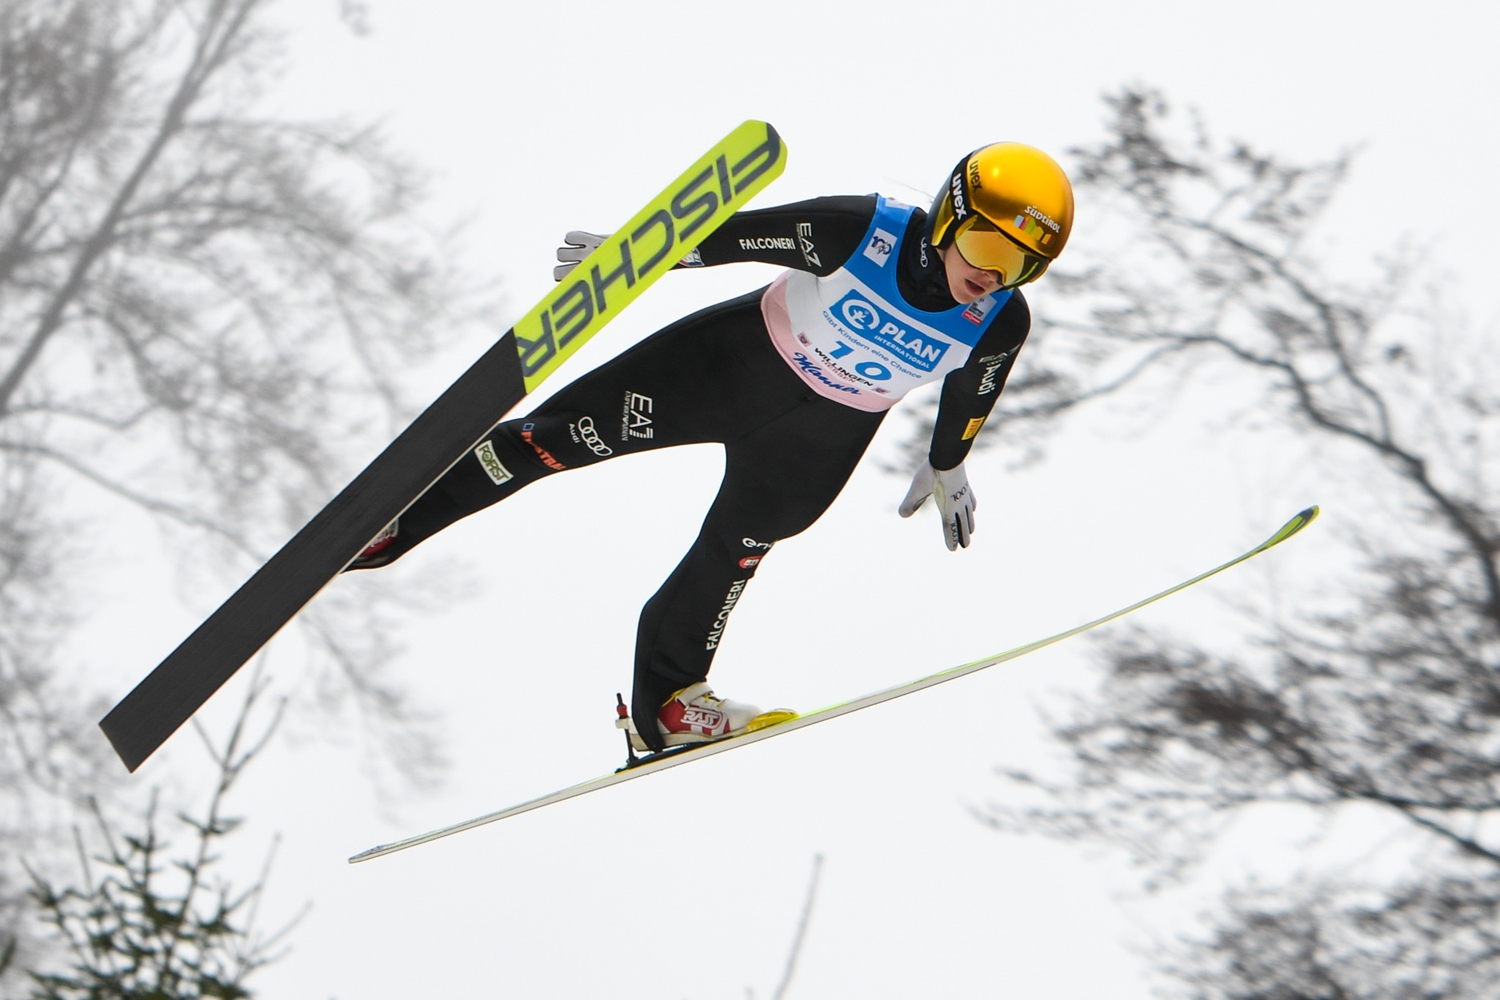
pixel 1296 524
pixel 756 123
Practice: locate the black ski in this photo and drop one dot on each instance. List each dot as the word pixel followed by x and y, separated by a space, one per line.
pixel 670 226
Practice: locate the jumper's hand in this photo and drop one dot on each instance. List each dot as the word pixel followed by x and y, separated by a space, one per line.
pixel 955 501
pixel 576 246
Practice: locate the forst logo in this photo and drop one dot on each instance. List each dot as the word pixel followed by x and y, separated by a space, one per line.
pixel 861 317
pixel 498 473
pixel 656 240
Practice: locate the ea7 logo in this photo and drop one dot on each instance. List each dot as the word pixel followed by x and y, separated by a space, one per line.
pixel 804 238
pixel 635 419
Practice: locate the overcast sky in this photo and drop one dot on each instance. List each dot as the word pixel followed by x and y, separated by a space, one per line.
pixel 533 119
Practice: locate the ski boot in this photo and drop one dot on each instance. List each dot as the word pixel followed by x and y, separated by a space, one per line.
pixel 696 715
pixel 378 553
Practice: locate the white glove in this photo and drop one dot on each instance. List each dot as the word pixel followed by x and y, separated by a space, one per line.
pixel 576 246
pixel 955 501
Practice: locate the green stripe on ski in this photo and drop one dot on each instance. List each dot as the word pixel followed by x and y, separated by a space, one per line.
pixel 647 246
pixel 652 765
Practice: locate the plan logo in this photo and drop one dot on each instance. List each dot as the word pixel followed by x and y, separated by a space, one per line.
pixel 880 246
pixel 860 316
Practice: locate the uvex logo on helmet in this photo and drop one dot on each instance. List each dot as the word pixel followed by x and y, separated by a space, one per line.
pixel 960 208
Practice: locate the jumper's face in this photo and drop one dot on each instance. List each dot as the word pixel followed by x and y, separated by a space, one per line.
pixel 965 281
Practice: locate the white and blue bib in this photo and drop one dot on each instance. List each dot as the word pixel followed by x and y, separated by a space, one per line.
pixel 853 338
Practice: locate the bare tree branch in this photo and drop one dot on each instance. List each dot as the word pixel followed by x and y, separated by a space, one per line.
pixel 1390 701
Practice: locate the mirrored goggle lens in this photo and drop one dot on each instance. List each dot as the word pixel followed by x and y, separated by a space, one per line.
pixel 988 249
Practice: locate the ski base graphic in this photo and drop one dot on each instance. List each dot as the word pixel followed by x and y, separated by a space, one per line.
pixel 642 766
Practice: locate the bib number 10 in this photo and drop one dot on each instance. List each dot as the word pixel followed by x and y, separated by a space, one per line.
pixel 869 369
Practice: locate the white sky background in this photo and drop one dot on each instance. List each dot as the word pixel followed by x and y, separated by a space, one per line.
pixel 537 118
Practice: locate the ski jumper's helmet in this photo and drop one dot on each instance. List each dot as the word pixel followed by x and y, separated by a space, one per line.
pixel 1008 208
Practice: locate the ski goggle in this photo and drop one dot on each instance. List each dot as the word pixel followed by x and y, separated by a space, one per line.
pixel 988 249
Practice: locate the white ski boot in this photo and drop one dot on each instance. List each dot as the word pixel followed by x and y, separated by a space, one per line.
pixel 696 715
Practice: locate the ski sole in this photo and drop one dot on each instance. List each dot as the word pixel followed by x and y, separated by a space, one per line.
pixel 602 285
pixel 682 755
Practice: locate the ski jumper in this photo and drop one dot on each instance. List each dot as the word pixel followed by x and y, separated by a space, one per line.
pixel 792 379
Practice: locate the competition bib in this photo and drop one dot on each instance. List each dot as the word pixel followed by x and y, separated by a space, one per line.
pixel 855 339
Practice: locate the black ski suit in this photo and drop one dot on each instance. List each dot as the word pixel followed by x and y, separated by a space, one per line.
pixel 716 376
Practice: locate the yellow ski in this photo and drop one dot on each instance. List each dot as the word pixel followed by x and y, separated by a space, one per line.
pixel 681 755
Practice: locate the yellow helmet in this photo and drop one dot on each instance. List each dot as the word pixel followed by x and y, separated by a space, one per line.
pixel 1008 207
